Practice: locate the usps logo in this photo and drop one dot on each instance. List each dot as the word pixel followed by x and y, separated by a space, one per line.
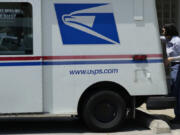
pixel 87 24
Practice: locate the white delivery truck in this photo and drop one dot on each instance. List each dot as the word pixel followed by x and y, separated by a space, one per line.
pixel 97 59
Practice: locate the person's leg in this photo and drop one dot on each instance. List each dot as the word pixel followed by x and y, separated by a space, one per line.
pixel 173 74
pixel 177 92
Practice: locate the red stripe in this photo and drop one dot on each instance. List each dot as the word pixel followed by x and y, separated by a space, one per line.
pixel 86 57
pixel 20 58
pixel 97 57
pixel 154 55
pixel 75 57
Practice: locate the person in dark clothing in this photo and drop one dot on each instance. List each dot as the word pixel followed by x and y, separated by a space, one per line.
pixel 173 59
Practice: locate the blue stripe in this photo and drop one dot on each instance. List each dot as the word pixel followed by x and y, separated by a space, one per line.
pixel 100 62
pixel 21 64
pixel 48 63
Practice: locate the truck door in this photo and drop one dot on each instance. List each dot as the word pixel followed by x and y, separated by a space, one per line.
pixel 20 56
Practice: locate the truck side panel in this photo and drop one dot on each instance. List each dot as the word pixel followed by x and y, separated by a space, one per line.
pixel 83 46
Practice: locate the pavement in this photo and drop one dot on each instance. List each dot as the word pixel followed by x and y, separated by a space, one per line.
pixel 165 115
pixel 72 126
pixel 166 112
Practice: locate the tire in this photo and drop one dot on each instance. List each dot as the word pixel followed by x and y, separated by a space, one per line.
pixel 104 111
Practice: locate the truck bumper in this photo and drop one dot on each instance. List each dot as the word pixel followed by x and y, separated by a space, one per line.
pixel 160 102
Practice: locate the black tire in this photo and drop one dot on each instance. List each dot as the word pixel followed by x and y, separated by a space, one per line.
pixel 104 111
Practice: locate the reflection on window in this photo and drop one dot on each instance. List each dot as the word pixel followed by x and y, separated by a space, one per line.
pixel 16 29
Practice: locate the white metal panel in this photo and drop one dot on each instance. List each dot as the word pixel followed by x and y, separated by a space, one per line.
pixel 138 10
pixel 138 82
pixel 21 86
pixel 136 37
pixel 21 90
pixel 127 29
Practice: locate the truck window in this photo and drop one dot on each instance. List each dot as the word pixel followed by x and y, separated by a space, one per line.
pixel 16 34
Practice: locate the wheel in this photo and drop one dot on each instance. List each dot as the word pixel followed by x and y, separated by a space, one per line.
pixel 104 111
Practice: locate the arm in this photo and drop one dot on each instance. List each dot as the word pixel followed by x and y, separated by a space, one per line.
pixel 171 59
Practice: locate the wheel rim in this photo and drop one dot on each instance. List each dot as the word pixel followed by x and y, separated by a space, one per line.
pixel 105 112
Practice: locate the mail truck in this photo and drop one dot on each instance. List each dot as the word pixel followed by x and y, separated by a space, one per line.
pixel 95 59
